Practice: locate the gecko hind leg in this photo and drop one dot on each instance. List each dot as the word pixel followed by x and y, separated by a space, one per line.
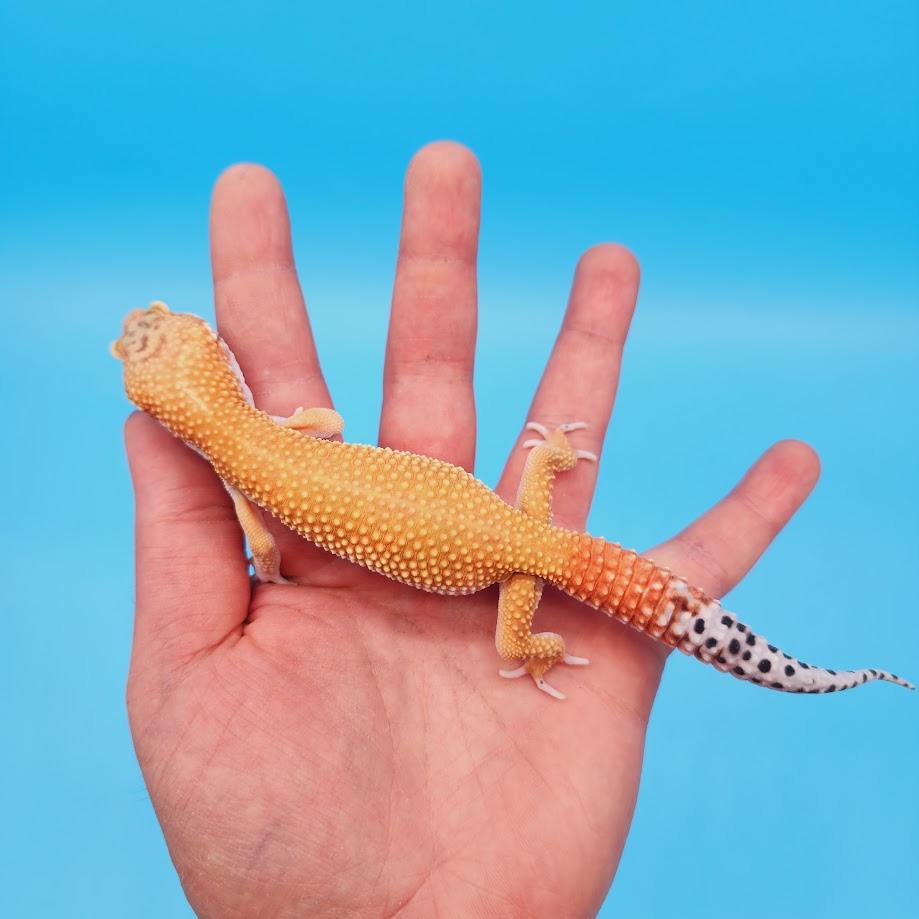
pixel 517 601
pixel 519 594
pixel 266 559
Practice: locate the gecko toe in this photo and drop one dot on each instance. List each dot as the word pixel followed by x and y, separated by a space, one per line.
pixel 539 681
pixel 551 690
pixel 512 674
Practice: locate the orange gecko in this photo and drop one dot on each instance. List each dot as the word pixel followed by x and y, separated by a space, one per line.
pixel 428 523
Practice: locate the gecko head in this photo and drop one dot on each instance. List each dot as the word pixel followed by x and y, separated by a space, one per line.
pixel 159 351
pixel 142 334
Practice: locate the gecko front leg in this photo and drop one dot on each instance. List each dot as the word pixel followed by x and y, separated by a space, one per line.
pixel 266 559
pixel 316 422
pixel 519 595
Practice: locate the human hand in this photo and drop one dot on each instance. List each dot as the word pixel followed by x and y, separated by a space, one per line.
pixel 345 746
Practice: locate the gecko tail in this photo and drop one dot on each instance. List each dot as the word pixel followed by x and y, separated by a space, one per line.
pixel 716 637
pixel 737 650
pixel 649 598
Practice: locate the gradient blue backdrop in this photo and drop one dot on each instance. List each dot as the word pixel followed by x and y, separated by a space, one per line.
pixel 760 159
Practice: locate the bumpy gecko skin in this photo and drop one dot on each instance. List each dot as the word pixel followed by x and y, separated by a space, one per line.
pixel 427 523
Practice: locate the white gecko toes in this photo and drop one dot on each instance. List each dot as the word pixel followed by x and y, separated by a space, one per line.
pixel 539 681
pixel 573 426
pixel 277 579
pixel 575 661
pixel 545 433
pixel 551 690
pixel 512 674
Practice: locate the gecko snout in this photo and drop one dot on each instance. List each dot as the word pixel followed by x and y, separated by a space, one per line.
pixel 136 332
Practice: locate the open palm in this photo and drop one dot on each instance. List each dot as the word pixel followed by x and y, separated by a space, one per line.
pixel 345 746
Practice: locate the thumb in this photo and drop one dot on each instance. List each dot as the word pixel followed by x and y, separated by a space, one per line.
pixel 192 581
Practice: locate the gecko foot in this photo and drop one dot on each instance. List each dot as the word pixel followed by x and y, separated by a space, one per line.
pixel 556 438
pixel 564 428
pixel 266 577
pixel 538 680
pixel 316 422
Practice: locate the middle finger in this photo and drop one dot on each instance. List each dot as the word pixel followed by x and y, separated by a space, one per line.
pixel 428 401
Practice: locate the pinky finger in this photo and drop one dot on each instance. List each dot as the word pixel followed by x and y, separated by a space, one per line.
pixel 720 547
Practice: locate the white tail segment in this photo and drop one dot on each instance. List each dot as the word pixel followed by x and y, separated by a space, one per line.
pixel 717 638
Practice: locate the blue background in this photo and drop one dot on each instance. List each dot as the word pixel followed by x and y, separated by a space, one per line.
pixel 761 161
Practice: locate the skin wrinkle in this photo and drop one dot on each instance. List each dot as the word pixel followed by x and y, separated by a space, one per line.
pixel 169 556
pixel 438 865
pixel 597 292
pixel 186 660
pixel 193 504
pixel 256 271
pixel 443 348
pixel 427 771
pixel 595 338
pixel 391 798
pixel 184 807
pixel 474 771
pixel 431 366
pixel 171 676
pixel 755 507
pixel 229 729
pixel 279 377
pixel 402 909
pixel 695 550
pixel 149 727
pixel 438 260
pixel 175 647
pixel 504 899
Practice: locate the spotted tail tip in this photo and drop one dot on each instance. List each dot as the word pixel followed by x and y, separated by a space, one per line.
pixel 716 637
pixel 893 678
pixel 849 679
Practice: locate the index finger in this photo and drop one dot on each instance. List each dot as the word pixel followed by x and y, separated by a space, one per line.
pixel 261 313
